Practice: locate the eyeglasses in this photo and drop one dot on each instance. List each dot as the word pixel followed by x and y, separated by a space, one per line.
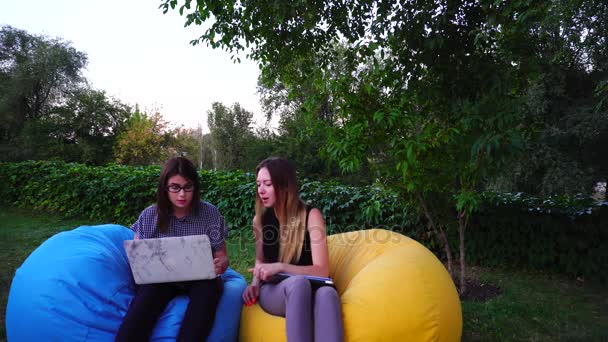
pixel 178 188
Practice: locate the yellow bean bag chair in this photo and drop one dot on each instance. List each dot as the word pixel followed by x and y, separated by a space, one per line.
pixel 391 287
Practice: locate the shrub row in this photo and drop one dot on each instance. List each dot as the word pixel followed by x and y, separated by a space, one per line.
pixel 118 193
pixel 563 234
pixel 113 193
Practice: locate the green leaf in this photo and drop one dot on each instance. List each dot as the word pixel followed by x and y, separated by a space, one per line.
pixel 378 116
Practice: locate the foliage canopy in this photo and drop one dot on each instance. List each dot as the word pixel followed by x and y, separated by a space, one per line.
pixel 431 92
pixel 47 109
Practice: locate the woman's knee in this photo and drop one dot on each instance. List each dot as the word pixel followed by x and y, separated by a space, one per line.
pixel 297 285
pixel 327 294
pixel 211 288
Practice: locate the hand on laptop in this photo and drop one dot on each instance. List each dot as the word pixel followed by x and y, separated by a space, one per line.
pixel 221 264
pixel 220 260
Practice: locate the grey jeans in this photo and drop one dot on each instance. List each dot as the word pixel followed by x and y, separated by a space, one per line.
pixel 304 310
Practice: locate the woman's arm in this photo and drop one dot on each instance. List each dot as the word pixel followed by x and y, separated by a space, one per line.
pixel 251 293
pixel 259 246
pixel 136 227
pixel 319 250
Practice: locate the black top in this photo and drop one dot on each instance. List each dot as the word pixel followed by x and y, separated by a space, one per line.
pixel 270 236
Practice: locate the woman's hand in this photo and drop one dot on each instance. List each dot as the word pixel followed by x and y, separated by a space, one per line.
pixel 220 260
pixel 221 264
pixel 265 271
pixel 251 293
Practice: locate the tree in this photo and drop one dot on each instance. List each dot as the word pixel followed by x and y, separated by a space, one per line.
pixel 191 142
pixel 230 135
pixel 36 73
pixel 566 108
pixel 83 129
pixel 146 140
pixel 431 91
pixel 89 122
pixel 207 152
pixel 307 115
pixel 301 134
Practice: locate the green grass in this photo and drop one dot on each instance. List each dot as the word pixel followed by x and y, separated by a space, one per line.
pixel 537 307
pixel 532 307
pixel 241 251
pixel 21 231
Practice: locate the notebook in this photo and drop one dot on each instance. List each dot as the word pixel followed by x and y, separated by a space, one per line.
pixel 315 281
pixel 170 259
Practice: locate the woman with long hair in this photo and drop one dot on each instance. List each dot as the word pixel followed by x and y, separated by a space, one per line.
pixel 291 237
pixel 178 212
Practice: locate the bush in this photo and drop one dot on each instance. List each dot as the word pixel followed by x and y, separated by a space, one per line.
pixel 119 193
pixel 116 193
pixel 560 233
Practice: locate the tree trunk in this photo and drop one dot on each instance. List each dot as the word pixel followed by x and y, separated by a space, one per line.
pixel 439 231
pixel 462 225
pixel 448 251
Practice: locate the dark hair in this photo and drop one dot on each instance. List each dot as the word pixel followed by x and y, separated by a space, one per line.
pixel 173 167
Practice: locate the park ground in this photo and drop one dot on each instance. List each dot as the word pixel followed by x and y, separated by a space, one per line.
pixel 520 305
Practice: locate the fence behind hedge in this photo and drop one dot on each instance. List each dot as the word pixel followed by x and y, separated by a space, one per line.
pixel 567 235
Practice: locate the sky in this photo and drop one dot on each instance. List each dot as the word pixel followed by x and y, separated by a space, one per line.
pixel 141 56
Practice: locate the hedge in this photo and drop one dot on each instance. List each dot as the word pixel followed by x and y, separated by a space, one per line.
pixel 562 234
pixel 118 193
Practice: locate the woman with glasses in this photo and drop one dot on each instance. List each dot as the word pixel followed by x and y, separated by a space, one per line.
pixel 178 212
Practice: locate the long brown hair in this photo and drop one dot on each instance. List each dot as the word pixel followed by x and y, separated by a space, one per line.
pixel 173 167
pixel 288 207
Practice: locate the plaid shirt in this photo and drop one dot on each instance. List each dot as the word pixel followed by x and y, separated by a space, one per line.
pixel 208 222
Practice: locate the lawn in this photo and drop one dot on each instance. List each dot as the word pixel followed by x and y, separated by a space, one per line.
pixel 532 306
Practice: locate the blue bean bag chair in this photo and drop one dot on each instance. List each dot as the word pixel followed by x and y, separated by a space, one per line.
pixel 77 286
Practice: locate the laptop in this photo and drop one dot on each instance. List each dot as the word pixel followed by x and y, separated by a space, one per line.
pixel 170 259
